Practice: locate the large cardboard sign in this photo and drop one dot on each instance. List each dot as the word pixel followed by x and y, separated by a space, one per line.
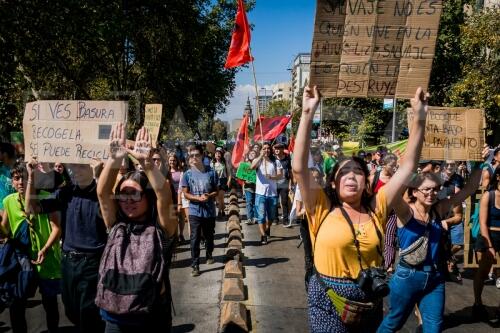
pixel 152 120
pixel 70 131
pixel 452 134
pixel 373 48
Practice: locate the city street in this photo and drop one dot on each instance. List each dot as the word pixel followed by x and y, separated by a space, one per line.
pixel 274 288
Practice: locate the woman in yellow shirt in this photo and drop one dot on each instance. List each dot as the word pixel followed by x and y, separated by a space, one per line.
pixel 346 227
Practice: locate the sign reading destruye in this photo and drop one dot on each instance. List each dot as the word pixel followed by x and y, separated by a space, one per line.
pixel 373 48
pixel 452 134
pixel 70 131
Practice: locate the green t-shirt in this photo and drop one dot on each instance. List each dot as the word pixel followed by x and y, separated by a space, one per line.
pixel 328 165
pixel 51 266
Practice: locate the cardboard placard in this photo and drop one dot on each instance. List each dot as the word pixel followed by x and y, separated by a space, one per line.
pixel 452 134
pixel 152 120
pixel 368 48
pixel 244 172
pixel 70 131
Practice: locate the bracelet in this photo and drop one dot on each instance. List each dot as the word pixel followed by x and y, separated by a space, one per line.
pixel 29 182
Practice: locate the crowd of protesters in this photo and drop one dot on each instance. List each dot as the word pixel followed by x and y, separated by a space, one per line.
pixel 372 225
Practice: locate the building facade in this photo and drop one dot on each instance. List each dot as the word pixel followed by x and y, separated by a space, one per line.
pixel 300 74
pixel 282 91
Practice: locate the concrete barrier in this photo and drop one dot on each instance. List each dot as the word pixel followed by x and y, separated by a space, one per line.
pixel 233 225
pixel 233 289
pixel 233 210
pixel 233 269
pixel 233 317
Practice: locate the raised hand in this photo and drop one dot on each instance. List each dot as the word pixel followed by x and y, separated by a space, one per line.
pixel 142 148
pixel 420 104
pixel 310 100
pixel 117 141
pixel 32 165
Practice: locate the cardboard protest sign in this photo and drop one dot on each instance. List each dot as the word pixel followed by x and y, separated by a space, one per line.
pixel 365 48
pixel 70 131
pixel 452 134
pixel 152 120
pixel 244 172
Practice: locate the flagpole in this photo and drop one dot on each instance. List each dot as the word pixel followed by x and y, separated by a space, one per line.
pixel 257 103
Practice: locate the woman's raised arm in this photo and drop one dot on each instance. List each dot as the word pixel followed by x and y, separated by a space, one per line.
pixel 310 102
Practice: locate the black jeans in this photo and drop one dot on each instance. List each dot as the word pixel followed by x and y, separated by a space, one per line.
pixel 284 203
pixel 199 225
pixel 79 274
pixel 17 312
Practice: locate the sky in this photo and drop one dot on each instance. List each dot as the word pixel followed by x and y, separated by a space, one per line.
pixel 281 30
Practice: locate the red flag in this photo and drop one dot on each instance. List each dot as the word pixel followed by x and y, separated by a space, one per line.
pixel 271 127
pixel 291 144
pixel 241 145
pixel 239 51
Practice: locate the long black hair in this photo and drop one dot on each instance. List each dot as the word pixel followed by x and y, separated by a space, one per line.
pixel 332 193
pixel 493 186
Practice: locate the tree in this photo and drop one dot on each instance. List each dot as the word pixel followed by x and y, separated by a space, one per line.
pixel 170 52
pixel 219 130
pixel 480 84
pixel 278 108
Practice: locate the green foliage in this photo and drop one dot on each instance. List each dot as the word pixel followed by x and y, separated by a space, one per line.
pixel 219 130
pixel 480 84
pixel 278 108
pixel 170 52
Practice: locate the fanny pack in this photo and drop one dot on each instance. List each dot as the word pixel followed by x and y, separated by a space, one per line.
pixel 350 312
pixel 416 253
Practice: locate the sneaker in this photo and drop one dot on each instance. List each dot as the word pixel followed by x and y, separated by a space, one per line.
pixel 195 271
pixel 210 259
pixel 268 232
pixel 263 240
pixel 455 277
pixel 497 283
pixel 490 280
pixel 479 312
pixel 288 225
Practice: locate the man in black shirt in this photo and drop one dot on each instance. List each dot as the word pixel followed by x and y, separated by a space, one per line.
pixel 284 184
pixel 84 238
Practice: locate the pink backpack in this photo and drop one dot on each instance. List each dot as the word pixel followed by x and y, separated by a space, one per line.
pixel 132 269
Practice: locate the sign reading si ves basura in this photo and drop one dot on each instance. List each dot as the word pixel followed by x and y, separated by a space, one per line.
pixel 152 120
pixel 452 134
pixel 70 131
pixel 373 48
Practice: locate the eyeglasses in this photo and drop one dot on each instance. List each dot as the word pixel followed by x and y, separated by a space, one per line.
pixel 134 196
pixel 427 191
pixel 156 159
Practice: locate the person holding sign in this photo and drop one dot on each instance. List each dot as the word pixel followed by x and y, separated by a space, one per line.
pixel 346 228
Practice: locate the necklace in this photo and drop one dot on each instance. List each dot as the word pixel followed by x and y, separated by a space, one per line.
pixel 359 228
pixel 422 217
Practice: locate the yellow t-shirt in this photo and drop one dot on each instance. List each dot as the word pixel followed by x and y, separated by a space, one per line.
pixel 335 254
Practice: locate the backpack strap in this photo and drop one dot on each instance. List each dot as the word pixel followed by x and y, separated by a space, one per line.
pixel 491 200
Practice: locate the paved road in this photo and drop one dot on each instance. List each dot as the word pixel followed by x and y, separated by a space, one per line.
pixel 274 287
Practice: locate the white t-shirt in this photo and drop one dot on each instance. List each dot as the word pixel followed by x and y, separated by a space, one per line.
pixel 265 186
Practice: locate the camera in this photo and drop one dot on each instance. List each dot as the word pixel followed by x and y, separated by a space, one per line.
pixel 373 281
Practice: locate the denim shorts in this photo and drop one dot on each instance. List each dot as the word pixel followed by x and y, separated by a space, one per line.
pixel 266 208
pixel 457 234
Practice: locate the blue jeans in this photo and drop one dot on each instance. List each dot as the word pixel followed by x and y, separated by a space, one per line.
pixel 267 207
pixel 410 287
pixel 250 201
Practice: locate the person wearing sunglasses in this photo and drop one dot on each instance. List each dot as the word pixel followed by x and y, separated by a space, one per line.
pixel 420 274
pixel 200 186
pixel 140 200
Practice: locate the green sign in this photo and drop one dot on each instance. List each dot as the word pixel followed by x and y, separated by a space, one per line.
pixel 245 173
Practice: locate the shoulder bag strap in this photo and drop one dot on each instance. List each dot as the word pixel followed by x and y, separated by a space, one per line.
pixel 356 242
